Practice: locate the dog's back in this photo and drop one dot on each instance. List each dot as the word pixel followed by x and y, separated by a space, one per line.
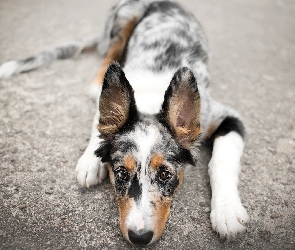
pixel 165 39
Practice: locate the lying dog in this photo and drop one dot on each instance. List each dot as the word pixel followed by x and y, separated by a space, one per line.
pixel 152 114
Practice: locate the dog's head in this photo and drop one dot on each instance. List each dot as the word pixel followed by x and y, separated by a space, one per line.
pixel 147 153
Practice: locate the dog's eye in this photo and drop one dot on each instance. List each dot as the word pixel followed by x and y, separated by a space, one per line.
pixel 164 175
pixel 122 174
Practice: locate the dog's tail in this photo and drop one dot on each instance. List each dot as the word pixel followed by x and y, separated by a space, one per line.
pixel 66 51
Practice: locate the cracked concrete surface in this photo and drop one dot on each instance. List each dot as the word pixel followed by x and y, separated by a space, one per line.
pixel 46 118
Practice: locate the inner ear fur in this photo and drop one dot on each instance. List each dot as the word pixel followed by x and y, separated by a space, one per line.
pixel 181 107
pixel 116 104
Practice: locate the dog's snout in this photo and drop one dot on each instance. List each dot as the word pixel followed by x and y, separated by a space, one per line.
pixel 141 239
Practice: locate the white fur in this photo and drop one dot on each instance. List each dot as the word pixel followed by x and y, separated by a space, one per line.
pixel 89 169
pixel 149 88
pixel 140 216
pixel 149 137
pixel 227 212
pixel 135 219
pixel 7 69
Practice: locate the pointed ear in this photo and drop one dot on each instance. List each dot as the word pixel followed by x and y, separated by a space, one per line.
pixel 116 104
pixel 181 107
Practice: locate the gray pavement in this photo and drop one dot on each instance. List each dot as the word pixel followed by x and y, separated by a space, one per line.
pixel 45 120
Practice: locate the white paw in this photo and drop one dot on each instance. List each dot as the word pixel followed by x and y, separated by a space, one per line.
pixel 90 170
pixel 228 217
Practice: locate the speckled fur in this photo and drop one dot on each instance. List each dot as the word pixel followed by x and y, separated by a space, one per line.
pixel 164 70
pixel 153 111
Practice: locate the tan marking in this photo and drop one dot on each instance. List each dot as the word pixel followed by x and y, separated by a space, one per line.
pixel 180 178
pixel 184 115
pixel 129 163
pixel 111 175
pixel 157 161
pixel 115 52
pixel 211 129
pixel 161 215
pixel 162 210
pixel 125 205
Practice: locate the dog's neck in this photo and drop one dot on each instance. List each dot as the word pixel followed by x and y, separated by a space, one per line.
pixel 149 88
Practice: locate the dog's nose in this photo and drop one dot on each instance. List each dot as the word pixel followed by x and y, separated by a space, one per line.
pixel 140 239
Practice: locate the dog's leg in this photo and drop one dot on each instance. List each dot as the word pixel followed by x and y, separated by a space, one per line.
pixel 228 216
pixel 120 32
pixel 90 170
pixel 115 52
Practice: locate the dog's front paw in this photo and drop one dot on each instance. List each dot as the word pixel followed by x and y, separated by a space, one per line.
pixel 228 218
pixel 90 170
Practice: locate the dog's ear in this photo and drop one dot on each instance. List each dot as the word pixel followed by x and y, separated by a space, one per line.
pixel 181 107
pixel 116 104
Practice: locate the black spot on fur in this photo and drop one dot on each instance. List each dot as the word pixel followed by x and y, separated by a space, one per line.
pixel 135 190
pixel 104 151
pixel 66 52
pixel 28 60
pixel 183 157
pixel 126 146
pixel 167 188
pixel 164 7
pixel 169 58
pixel 228 125
pixel 153 204
pixel 153 45
pixel 172 186
pixel 121 188
pixel 197 52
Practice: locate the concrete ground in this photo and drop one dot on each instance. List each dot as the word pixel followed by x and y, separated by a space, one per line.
pixel 45 120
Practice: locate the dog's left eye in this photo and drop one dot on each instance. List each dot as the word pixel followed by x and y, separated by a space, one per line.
pixel 122 174
pixel 164 175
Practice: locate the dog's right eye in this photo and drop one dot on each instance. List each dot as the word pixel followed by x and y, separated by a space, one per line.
pixel 121 174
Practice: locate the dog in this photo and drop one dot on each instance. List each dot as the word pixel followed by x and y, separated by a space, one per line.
pixel 153 111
